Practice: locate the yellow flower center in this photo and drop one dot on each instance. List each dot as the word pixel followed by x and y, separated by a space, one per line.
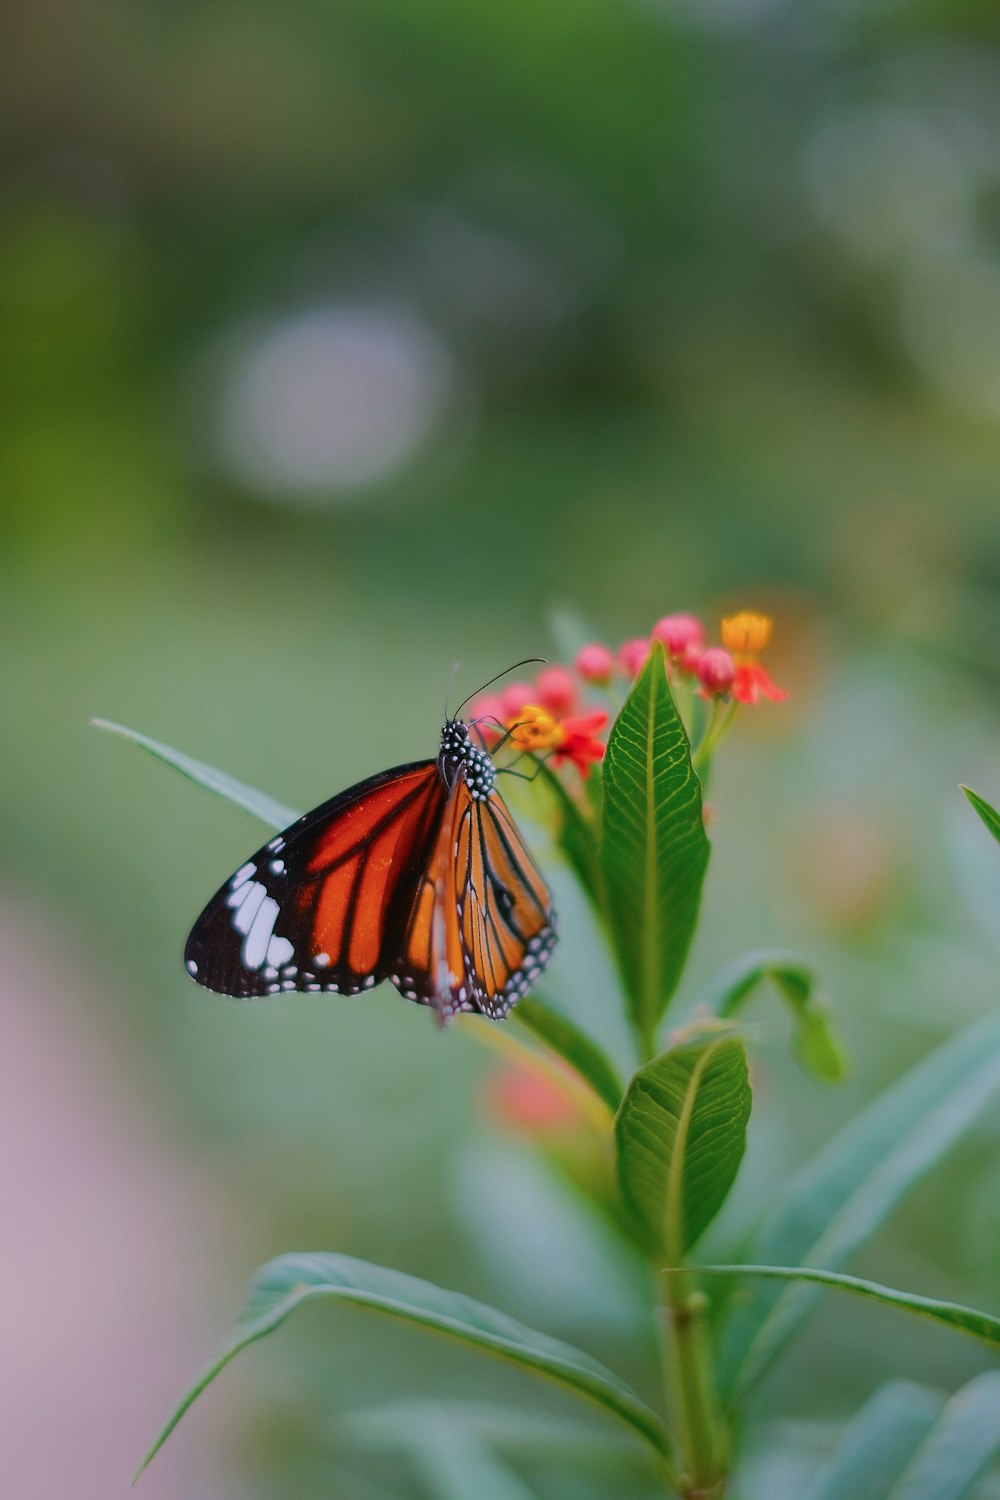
pixel 746 633
pixel 535 729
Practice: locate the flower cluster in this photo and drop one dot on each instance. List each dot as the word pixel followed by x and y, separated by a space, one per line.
pixel 556 713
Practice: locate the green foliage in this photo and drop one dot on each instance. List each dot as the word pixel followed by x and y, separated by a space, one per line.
pixel 814 1043
pixel 566 1039
pixel 637 846
pixel 978 1325
pixel 654 850
pixel 878 1443
pixel 287 1282
pixel 262 806
pixel 908 1443
pixel 839 1200
pixel 680 1136
pixel 956 1451
pixel 577 834
pixel 454 1464
pixel 989 814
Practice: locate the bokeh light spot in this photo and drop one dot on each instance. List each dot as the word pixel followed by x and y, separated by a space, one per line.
pixel 332 400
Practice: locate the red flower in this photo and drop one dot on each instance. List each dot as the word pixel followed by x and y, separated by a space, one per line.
pixel 579 742
pixel 596 663
pixel 529 1097
pixel 745 635
pixel 752 681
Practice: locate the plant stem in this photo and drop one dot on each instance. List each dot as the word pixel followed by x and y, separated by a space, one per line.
pixel 715 732
pixel 646 1041
pixel 687 1360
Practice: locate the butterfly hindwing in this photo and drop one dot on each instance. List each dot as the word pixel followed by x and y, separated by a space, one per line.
pixel 482 927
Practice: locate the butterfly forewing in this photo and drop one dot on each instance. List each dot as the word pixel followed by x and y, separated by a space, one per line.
pixel 314 908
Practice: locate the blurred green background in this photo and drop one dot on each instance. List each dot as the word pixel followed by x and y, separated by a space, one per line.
pixel 344 341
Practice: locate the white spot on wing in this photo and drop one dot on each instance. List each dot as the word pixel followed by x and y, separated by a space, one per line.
pixel 321 960
pixel 259 936
pixel 248 906
pixel 243 873
pixel 279 951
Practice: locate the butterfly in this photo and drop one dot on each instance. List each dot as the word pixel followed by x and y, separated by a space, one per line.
pixel 417 875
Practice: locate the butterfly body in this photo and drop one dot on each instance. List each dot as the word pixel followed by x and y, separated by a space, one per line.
pixel 417 875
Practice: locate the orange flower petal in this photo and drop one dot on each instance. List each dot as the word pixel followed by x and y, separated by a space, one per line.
pixel 746 633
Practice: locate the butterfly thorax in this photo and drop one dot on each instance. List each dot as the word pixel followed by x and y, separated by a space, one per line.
pixel 457 750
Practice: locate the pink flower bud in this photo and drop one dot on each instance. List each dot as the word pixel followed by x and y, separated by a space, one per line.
pixel 595 664
pixel 678 633
pixel 515 697
pixel 555 689
pixel 690 659
pixel 716 671
pixel 489 709
pixel 632 656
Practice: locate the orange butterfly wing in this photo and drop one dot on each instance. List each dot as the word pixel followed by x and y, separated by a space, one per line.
pixel 396 878
pixel 482 927
pixel 321 905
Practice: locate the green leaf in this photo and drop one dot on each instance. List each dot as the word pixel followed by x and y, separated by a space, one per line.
pixel 814 1043
pixel 989 814
pixel 654 849
pixel 258 803
pixel 968 1320
pixel 680 1137
pixel 839 1200
pixel 524 1431
pixel 878 1443
pixel 576 835
pixel 284 1284
pixel 964 1440
pixel 576 1048
pixel 456 1463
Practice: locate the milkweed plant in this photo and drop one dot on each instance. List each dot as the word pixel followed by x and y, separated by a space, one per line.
pixel 620 746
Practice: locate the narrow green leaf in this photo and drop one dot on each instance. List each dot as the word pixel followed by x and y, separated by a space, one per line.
pixel 814 1043
pixel 525 1434
pixel 654 850
pixel 989 814
pixel 524 1431
pixel 965 1439
pixel 263 807
pixel 576 835
pixel 574 1047
pixel 841 1198
pixel 680 1137
pixel 878 1443
pixel 284 1284
pixel 456 1463
pixel 968 1320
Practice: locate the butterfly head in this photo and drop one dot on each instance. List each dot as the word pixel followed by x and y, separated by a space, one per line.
pixel 457 750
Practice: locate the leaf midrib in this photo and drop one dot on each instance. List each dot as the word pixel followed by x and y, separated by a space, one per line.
pixel 673 1237
pixel 651 965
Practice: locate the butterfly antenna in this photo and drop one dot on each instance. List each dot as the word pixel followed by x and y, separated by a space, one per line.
pixel 527 662
pixel 451 683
